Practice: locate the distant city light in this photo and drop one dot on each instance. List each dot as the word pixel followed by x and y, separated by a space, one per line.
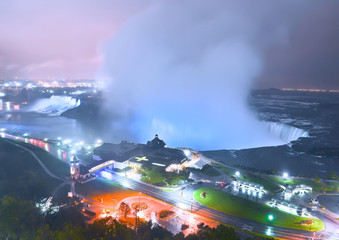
pixel 67 141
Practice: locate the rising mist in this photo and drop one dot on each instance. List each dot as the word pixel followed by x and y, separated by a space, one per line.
pixel 184 69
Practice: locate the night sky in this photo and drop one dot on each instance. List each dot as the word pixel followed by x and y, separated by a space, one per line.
pixel 65 38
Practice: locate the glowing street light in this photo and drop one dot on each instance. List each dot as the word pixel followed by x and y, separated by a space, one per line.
pixel 191 205
pixel 187 152
pixel 269 232
pixel 237 173
pixel 285 175
pixel 270 217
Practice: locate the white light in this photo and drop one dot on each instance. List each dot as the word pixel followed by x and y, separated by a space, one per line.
pixel 237 173
pixel 107 175
pixel 187 152
pixel 25 134
pixel 126 184
pixel 45 139
pixel 285 175
pixel 3 129
pixel 73 151
pixel 181 205
pixel 59 138
pixel 141 214
pixel 67 141
pixel 269 232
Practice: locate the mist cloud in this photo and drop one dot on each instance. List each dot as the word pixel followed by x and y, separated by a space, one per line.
pixel 183 70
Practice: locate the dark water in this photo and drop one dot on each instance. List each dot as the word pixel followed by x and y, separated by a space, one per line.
pixel 41 126
pixel 318 113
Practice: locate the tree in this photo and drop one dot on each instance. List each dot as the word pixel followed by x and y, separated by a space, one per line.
pixel 333 175
pixel 317 179
pixel 124 209
pixel 70 215
pixel 71 232
pixel 45 232
pixel 18 219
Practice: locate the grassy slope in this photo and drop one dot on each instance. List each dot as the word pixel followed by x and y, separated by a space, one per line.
pixel 156 174
pixel 317 186
pixel 55 165
pixel 209 171
pixel 21 175
pixel 250 210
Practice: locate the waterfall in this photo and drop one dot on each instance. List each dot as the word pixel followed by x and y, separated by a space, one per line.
pixel 286 133
pixel 55 105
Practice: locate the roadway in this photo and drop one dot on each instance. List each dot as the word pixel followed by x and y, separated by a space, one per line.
pixel 175 199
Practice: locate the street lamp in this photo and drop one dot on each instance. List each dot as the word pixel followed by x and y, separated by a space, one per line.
pixel 270 217
pixel 191 205
pixel 182 191
pixel 237 173
pixel 285 175
pixel 114 203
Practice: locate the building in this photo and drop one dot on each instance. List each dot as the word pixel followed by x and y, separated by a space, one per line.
pixel 75 168
pixel 156 143
pixel 135 156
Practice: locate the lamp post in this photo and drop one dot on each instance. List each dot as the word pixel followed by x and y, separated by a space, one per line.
pixel 285 175
pixel 191 205
pixel 114 202
pixel 139 199
pixel 237 173
pixel 182 191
